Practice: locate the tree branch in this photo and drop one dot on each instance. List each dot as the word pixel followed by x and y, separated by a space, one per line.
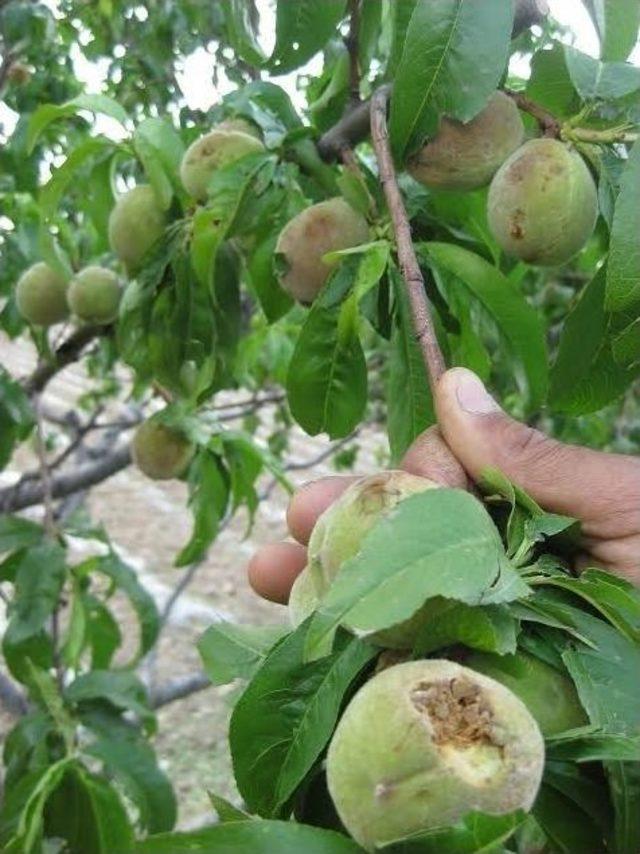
pixel 27 493
pixel 177 689
pixel 66 353
pixel 354 126
pixel 352 42
pixel 549 124
pixel 528 13
pixel 422 321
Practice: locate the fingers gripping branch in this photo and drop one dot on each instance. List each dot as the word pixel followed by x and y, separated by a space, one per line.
pixel 422 321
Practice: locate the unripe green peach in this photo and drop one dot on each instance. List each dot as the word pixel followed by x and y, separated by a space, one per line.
pixel 426 742
pixel 212 151
pixel 94 295
pixel 136 222
pixel 550 697
pixel 41 295
pixel 543 203
pixel 325 227
pixel 240 124
pixel 159 451
pixel 467 156
pixel 340 530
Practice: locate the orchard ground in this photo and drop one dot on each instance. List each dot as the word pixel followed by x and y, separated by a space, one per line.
pixel 148 521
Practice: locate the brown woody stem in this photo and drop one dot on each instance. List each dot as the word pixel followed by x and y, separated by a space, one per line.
pixel 352 42
pixel 422 321
pixel 549 124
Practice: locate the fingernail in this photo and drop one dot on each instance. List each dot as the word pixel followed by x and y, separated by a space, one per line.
pixel 473 396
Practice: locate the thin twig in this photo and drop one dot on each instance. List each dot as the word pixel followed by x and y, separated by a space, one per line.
pixel 178 689
pixel 45 476
pixel 422 321
pixel 549 124
pixel 352 42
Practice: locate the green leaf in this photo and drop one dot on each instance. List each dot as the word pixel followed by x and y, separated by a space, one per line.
pixel 302 29
pixel 160 150
pixel 517 322
pixel 454 56
pixel 16 415
pixel 400 17
pixel 18 533
pixel 569 828
pixel 103 633
pixel 605 81
pixel 438 543
pixel 616 599
pixel 623 268
pixel 39 577
pixel 617 23
pixel 77 158
pixel 131 760
pixel 582 745
pixel 285 717
pixel 490 628
pixel 477 833
pixel 118 689
pixel 327 381
pixel 257 837
pixel 608 687
pixel 142 602
pixel 550 84
pixel 241 31
pixel 47 113
pixel 208 500
pixel 21 819
pixel 409 401
pixel 626 345
pixel 88 814
pixel 225 810
pixel 585 376
pixel 231 652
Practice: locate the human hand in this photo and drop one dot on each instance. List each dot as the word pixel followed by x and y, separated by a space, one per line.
pixel 601 490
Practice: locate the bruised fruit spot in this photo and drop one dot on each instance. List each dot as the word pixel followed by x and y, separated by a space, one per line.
pixel 546 185
pixel 465 156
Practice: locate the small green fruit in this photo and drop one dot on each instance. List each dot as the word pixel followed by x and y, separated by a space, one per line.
pixel 240 124
pixel 325 227
pixel 543 203
pixel 161 452
pixel 424 743
pixel 94 295
pixel 340 530
pixel 41 295
pixel 212 151
pixel 467 156
pixel 550 697
pixel 137 222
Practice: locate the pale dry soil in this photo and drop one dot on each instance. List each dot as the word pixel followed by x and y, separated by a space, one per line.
pixel 149 522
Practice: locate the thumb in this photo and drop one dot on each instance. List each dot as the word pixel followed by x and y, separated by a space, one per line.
pixel 567 479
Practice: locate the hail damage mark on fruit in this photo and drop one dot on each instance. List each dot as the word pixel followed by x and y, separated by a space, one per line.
pixel 458 712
